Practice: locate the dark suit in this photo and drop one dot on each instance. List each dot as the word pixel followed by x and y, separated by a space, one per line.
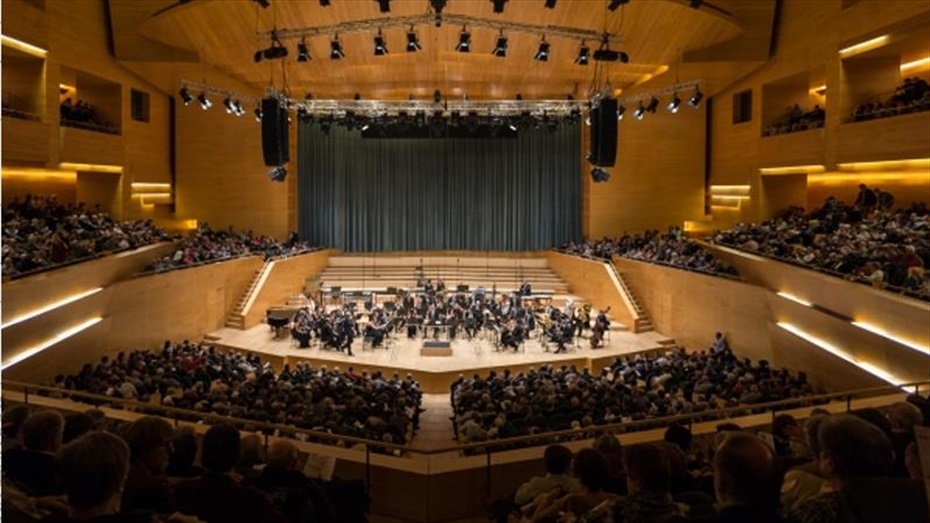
pixel 32 471
pixel 217 498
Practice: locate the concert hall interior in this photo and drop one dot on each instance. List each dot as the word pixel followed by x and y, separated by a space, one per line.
pixel 466 260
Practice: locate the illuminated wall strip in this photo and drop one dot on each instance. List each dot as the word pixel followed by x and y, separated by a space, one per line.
pixel 51 306
pixel 915 163
pixel 794 298
pixel 820 89
pixel 793 169
pixel 91 167
pixel 836 351
pixel 730 196
pixel 61 336
pixel 730 187
pixel 874 329
pixel 149 185
pixel 19 45
pixel 916 64
pixel 152 195
pixel 862 47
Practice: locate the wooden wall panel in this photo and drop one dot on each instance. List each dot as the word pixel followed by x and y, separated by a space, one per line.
pixel 80 146
pixel 803 148
pixel 902 137
pixel 25 141
pixel 591 279
pixel 691 307
pixel 659 177
pixel 286 278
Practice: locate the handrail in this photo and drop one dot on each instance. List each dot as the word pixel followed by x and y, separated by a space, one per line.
pixel 487 446
pixel 823 270
pixel 653 262
pixel 75 261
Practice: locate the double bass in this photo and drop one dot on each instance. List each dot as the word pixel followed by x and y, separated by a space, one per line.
pixel 601 324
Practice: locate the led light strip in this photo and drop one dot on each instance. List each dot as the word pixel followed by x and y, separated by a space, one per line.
pixel 923 62
pixel 793 169
pixel 836 351
pixel 794 298
pixel 63 335
pixel 51 306
pixel 862 47
pixel 885 334
pixel 23 46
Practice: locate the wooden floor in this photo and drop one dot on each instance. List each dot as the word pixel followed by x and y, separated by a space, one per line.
pixel 435 373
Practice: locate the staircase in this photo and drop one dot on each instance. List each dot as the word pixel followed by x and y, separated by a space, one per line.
pixel 236 319
pixel 641 323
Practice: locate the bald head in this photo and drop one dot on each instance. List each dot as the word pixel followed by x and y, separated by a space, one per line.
pixel 746 472
pixel 282 455
pixel 250 450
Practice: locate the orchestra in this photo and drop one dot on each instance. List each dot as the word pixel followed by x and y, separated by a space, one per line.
pixel 506 320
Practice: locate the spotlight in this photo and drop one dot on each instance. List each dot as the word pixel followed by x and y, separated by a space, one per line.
pixel 653 105
pixel 263 3
pixel 228 104
pixel 550 4
pixel 599 175
pixel 277 174
pixel 696 3
pixel 335 49
pixel 464 45
pixel 238 110
pixel 205 102
pixel 674 104
pixel 384 5
pixel 258 114
pixel 542 54
pixel 640 111
pixel 607 55
pixel 186 96
pixel 413 41
pixel 498 5
pixel 258 56
pixel 500 49
pixel 615 4
pixel 695 100
pixel 303 52
pixel 584 54
pixel 620 110
pixel 438 5
pixel 380 45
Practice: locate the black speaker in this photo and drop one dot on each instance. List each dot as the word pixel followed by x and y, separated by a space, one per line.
pixel 606 142
pixel 274 133
pixel 594 122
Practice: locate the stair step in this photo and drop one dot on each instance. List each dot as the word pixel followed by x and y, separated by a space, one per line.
pixel 667 342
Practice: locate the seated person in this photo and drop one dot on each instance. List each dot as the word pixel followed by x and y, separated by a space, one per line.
pixel 558 459
pixel 591 470
pixel 648 479
pixel 32 466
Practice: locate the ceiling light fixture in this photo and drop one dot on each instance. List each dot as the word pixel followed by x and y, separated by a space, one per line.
pixel 550 4
pixel 384 5
pixel 263 3
pixel 205 102
pixel 696 3
pixel 464 45
pixel 615 4
pixel 653 105
pixel 277 174
pixel 228 104
pixel 500 49
pixel 186 96
pixel 258 113
pixel 499 5
pixel 584 54
pixel 620 110
pixel 674 104
pixel 335 49
pixel 413 41
pixel 640 111
pixel 542 54
pixel 380 45
pixel 303 52
pixel 695 100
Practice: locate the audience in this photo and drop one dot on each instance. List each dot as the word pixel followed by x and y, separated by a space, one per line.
pixel 910 97
pixel 881 248
pixel 183 454
pixel 146 488
pixel 746 480
pixel 199 378
pixel 41 233
pixel 632 388
pixel 32 466
pixel 648 474
pixel 591 470
pixel 206 245
pixel 796 119
pixel 558 461
pixel 667 249
pixel 84 116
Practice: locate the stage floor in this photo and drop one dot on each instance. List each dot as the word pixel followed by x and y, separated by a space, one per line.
pixel 435 373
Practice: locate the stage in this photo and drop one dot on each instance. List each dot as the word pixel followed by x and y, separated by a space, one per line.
pixel 435 373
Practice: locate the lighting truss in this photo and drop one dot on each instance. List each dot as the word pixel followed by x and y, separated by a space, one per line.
pixel 373 24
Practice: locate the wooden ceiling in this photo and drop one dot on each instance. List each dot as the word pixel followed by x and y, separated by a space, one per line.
pixel 655 33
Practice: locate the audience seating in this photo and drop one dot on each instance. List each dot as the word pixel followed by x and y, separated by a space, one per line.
pixel 910 97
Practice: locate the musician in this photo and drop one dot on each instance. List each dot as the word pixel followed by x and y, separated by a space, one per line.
pixel 347 330
pixel 376 327
pixel 526 289
pixel 583 319
pixel 472 324
pixel 303 326
pixel 601 324
pixel 566 332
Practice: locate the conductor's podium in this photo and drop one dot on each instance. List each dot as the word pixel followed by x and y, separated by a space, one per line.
pixel 436 348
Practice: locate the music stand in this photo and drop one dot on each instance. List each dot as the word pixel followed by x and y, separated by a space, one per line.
pixel 462 288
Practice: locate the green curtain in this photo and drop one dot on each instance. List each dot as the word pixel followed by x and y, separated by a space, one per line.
pixel 399 194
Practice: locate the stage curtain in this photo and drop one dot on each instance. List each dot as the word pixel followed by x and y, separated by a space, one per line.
pixel 402 194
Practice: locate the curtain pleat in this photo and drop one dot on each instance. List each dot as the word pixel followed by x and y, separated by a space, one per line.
pixel 402 194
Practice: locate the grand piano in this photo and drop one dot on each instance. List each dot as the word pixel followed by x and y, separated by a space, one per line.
pixel 278 319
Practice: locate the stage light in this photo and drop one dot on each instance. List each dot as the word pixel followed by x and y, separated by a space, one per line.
pixel 464 45
pixel 696 3
pixel 584 54
pixel 620 110
pixel 413 41
pixel 324 3
pixel 384 5
pixel 303 52
pixel 335 49
pixel 500 49
pixel 608 55
pixel 615 4
pixel 380 45
pixel 205 102
pixel 258 56
pixel 599 175
pixel 653 105
pixel 550 4
pixel 228 104
pixel 277 174
pixel 674 104
pixel 186 96
pixel 437 5
pixel 238 109
pixel 258 114
pixel 499 5
pixel 542 54
pixel 640 111
pixel 695 100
